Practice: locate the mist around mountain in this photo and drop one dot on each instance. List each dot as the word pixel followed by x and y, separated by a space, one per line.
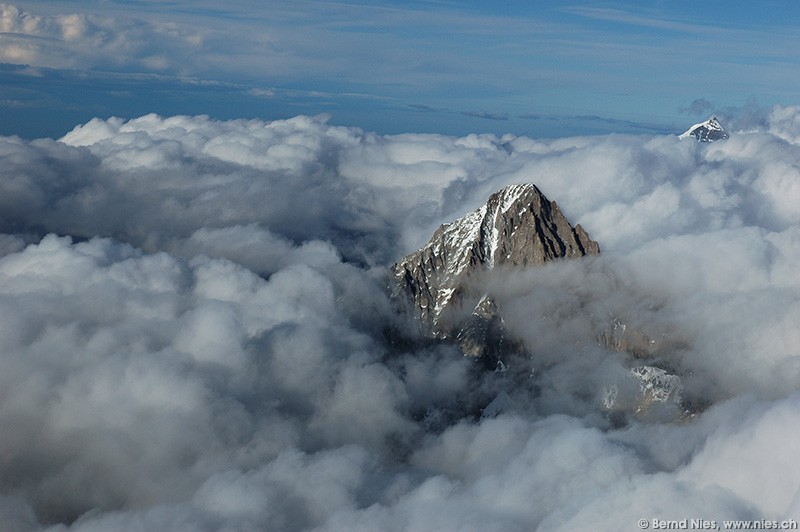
pixel 197 331
pixel 442 286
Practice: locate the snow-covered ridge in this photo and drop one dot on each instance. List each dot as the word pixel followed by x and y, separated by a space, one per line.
pixel 456 237
pixel 503 201
pixel 707 131
pixel 480 225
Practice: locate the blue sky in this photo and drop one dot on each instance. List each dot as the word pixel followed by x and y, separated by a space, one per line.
pixel 535 68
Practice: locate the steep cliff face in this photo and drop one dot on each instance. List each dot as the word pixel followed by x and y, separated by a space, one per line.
pixel 517 226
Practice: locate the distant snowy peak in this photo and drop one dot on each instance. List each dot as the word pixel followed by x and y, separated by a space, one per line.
pixel 707 131
pixel 518 225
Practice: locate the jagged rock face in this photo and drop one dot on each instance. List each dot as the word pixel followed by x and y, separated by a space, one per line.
pixel 517 226
pixel 707 131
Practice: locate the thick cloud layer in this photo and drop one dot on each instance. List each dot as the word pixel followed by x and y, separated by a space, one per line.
pixel 197 332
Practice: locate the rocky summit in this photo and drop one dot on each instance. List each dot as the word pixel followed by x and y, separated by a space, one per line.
pixel 518 226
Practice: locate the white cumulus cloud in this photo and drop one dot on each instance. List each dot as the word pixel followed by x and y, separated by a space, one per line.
pixel 196 331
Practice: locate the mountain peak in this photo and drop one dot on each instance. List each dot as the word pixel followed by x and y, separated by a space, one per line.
pixel 517 226
pixel 707 131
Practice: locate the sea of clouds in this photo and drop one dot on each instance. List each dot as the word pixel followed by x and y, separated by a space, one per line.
pixel 194 317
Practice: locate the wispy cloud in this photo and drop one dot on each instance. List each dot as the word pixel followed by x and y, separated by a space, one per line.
pixel 424 108
pixel 487 115
pixel 80 40
pixel 642 20
pixel 628 125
